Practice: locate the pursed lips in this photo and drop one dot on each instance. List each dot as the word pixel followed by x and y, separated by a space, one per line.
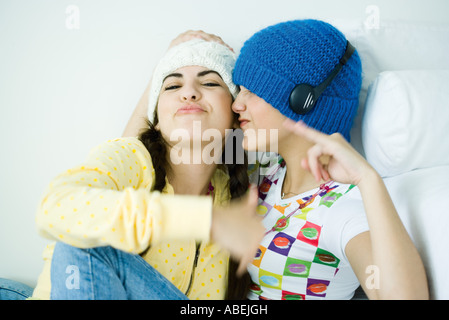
pixel 243 122
pixel 192 108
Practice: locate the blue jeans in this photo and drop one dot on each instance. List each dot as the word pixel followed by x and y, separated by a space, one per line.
pixel 13 290
pixel 105 273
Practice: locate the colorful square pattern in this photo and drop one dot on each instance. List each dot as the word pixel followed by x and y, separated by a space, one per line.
pixel 290 264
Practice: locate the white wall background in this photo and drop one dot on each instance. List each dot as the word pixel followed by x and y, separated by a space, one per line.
pixel 63 90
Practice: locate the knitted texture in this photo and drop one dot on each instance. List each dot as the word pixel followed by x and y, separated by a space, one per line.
pixel 196 52
pixel 276 59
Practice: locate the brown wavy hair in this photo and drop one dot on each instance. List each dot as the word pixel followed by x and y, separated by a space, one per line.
pixel 238 186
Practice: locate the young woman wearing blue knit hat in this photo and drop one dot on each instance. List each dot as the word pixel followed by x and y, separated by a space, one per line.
pixel 330 223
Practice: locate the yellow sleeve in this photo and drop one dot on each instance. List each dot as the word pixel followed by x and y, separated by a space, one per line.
pixel 108 201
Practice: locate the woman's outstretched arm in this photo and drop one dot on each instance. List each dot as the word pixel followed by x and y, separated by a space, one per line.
pixel 387 248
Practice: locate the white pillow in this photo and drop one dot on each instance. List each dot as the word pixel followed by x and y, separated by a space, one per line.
pixel 394 45
pixel 406 121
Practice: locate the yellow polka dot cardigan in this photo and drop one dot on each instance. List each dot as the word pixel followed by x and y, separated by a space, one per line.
pixel 107 201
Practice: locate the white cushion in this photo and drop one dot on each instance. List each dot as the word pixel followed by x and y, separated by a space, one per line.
pixel 420 199
pixel 406 121
pixel 394 45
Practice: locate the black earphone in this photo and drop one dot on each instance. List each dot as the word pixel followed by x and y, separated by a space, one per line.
pixel 303 96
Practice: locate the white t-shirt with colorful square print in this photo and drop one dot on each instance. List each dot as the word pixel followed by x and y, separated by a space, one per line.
pixel 303 257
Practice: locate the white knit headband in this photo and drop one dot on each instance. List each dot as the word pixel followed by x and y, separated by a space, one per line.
pixel 197 52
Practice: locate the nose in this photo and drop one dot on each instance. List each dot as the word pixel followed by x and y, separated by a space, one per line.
pixel 239 104
pixel 190 93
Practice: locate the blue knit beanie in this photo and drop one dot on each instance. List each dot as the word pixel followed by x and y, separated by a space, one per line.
pixel 276 59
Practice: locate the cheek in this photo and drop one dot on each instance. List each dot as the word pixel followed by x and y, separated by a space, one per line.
pixel 165 122
pixel 266 127
pixel 262 119
pixel 266 116
pixel 224 104
pixel 161 107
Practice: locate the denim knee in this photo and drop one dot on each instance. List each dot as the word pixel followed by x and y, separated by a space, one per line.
pixel 13 290
pixel 106 273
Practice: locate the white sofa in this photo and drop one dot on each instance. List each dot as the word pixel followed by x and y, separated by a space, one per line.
pixel 402 130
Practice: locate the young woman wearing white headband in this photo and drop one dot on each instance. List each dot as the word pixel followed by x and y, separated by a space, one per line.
pixel 133 223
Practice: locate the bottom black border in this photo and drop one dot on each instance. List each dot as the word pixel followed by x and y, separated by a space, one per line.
pixel 223 309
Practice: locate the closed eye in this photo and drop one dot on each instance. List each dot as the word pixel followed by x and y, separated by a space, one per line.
pixel 172 87
pixel 211 84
